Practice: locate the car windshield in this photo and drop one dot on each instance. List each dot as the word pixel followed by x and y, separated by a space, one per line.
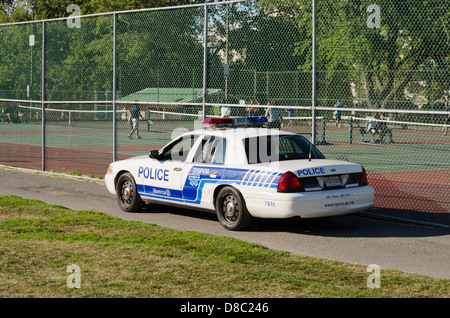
pixel 279 148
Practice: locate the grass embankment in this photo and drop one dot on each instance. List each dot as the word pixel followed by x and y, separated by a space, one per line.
pixel 120 258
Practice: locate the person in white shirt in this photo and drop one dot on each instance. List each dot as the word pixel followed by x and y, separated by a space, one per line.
pixel 274 116
pixel 225 111
pixel 372 126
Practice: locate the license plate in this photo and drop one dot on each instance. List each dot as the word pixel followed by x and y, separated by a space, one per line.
pixel 332 182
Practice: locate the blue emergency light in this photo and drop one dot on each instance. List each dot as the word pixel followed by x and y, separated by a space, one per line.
pixel 257 121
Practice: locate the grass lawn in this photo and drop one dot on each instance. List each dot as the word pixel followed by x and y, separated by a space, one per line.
pixel 119 258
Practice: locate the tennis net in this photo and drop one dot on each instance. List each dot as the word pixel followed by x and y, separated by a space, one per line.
pixel 94 117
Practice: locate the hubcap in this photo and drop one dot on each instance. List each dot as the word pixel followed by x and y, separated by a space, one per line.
pixel 127 192
pixel 230 208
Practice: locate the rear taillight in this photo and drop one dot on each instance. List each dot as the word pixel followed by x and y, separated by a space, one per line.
pixel 289 183
pixel 363 178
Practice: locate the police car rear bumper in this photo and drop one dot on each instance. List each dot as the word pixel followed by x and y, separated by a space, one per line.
pixel 312 204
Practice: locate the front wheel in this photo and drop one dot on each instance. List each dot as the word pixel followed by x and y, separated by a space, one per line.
pixel 231 210
pixel 127 195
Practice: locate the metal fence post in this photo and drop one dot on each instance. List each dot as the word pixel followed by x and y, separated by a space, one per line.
pixel 205 61
pixel 43 95
pixel 313 108
pixel 114 87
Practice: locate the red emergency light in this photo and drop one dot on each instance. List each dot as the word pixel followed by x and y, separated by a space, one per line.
pixel 218 122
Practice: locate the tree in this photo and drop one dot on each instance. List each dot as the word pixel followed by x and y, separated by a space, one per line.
pixel 390 46
pixel 16 11
pixel 151 46
pixel 263 39
pixel 260 43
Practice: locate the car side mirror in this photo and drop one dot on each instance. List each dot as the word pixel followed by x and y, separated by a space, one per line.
pixel 153 154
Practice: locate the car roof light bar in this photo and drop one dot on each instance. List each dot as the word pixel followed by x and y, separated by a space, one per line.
pixel 236 122
pixel 257 121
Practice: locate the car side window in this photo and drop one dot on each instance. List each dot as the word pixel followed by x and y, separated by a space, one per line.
pixel 211 150
pixel 219 156
pixel 179 150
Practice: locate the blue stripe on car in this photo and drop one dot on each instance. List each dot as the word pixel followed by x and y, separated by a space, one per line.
pixel 193 194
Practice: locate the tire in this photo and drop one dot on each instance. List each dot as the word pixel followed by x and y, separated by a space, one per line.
pixel 127 195
pixel 231 210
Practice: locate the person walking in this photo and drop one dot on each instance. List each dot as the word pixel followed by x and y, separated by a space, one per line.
pixel 135 115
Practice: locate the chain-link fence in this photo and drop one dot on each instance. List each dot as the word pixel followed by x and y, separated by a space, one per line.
pixel 382 82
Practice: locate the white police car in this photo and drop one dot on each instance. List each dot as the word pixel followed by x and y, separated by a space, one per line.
pixel 241 172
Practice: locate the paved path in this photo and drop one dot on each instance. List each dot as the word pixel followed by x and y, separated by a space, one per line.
pixel 352 239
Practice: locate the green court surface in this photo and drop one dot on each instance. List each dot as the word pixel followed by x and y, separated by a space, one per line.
pixel 392 157
pixel 413 148
pixel 79 135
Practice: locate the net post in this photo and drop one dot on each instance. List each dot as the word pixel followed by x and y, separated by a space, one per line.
pixel 351 129
pixel 323 131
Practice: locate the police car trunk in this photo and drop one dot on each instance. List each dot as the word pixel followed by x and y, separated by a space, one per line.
pixel 307 184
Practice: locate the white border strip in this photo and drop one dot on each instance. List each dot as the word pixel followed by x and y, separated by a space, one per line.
pixel 52 173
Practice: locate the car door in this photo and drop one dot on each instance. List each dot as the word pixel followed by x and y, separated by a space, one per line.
pixel 163 176
pixel 204 171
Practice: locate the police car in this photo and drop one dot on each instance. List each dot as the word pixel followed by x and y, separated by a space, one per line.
pixel 241 170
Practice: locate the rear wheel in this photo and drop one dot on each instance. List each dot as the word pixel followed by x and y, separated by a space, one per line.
pixel 127 195
pixel 231 210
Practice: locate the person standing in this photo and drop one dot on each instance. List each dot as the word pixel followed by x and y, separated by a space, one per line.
pixel 372 126
pixel 251 111
pixel 384 129
pixel 337 113
pixel 225 111
pixel 274 115
pixel 135 114
pixel 290 112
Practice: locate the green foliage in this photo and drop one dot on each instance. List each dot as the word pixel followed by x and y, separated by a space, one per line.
pixel 413 36
pixel 153 48
pixel 15 11
pixel 401 62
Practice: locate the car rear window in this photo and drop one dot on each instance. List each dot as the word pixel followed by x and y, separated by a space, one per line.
pixel 279 148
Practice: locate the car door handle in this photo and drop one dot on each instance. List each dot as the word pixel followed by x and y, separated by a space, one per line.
pixel 177 169
pixel 213 173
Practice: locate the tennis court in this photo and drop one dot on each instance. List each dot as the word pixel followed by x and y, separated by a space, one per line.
pixel 409 175
pixel 82 141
